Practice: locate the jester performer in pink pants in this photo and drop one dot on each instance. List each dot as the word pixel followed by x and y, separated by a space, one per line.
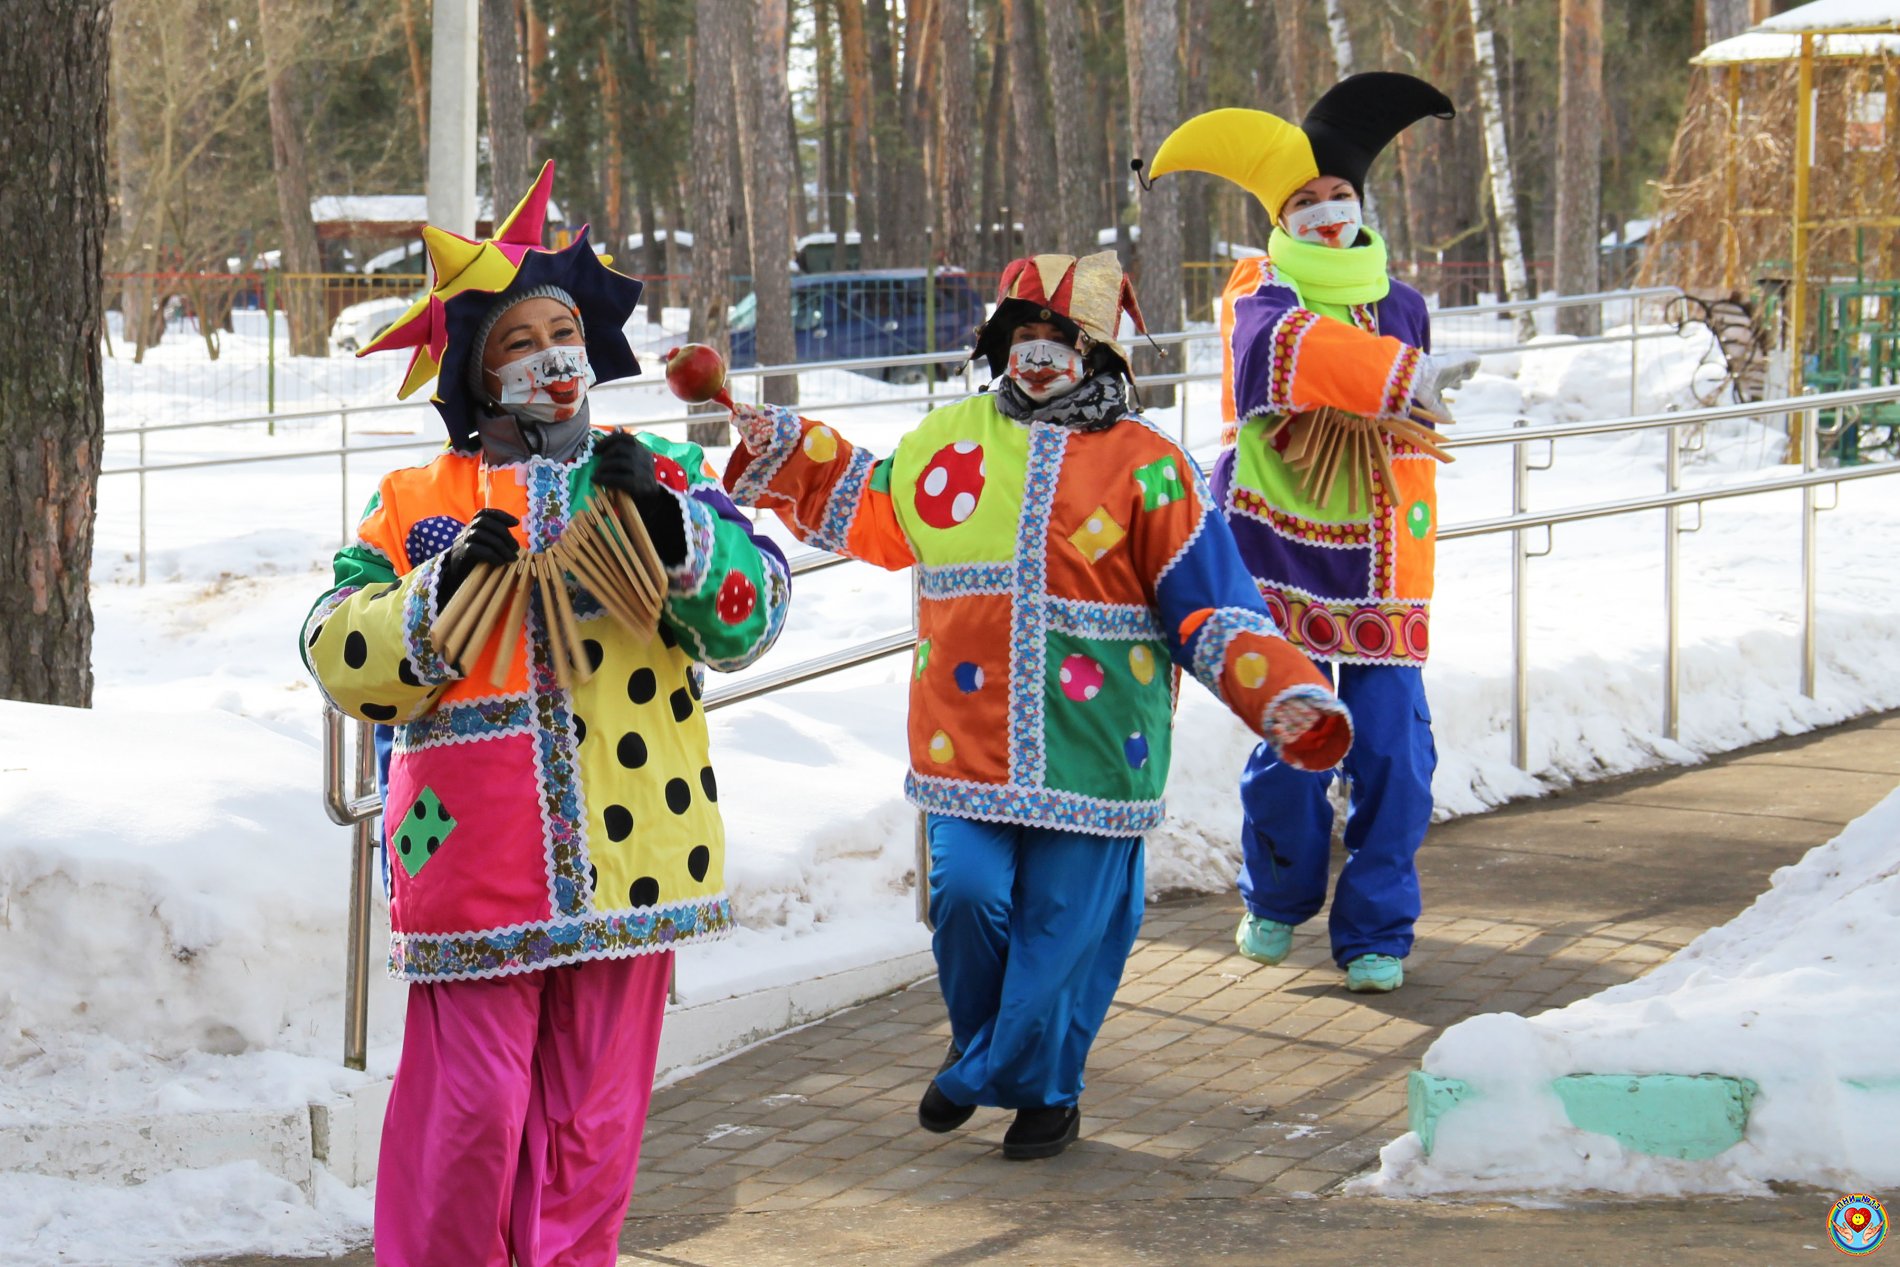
pixel 552 841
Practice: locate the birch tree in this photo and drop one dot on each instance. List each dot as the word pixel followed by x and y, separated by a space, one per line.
pixel 1498 160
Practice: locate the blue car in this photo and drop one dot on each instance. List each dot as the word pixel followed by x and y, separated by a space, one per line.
pixel 847 316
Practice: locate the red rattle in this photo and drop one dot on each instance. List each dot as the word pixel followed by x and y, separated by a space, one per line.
pixel 696 374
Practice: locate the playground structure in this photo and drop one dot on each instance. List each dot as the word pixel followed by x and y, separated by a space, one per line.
pixel 1783 198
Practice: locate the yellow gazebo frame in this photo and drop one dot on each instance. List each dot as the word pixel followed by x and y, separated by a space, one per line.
pixel 1801 221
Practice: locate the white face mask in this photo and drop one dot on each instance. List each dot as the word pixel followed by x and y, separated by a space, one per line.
pixel 1045 369
pixel 548 385
pixel 1334 222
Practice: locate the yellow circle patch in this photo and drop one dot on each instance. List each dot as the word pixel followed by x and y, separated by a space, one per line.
pixel 941 749
pixel 1141 663
pixel 821 444
pixel 1251 669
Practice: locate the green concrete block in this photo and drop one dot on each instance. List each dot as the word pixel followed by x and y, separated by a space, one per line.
pixel 1663 1114
pixel 1429 1097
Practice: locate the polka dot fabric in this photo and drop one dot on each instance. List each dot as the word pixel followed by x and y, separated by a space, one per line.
pixel 430 537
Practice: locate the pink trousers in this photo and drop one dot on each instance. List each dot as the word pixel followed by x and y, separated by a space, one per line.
pixel 513 1131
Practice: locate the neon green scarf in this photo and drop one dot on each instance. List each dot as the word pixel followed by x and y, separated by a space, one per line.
pixel 1329 276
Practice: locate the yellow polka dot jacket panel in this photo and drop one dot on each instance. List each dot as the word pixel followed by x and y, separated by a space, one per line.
pixel 528 824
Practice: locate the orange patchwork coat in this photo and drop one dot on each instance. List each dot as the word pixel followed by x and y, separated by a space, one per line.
pixel 1059 572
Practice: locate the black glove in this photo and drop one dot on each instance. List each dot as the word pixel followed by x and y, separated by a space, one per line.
pixel 624 464
pixel 486 539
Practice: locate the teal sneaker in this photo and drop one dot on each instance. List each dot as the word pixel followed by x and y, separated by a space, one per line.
pixel 1265 941
pixel 1375 974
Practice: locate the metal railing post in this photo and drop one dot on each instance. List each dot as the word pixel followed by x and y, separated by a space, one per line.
pixel 1672 592
pixel 362 865
pixel 360 810
pixel 1636 351
pixel 1520 612
pixel 141 506
pixel 1810 531
pixel 343 472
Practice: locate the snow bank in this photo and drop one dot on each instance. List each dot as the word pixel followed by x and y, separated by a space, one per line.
pixel 170 888
pixel 1797 994
pixel 172 899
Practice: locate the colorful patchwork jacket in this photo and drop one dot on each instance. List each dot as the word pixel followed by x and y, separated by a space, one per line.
pixel 1346 583
pixel 531 825
pixel 1058 571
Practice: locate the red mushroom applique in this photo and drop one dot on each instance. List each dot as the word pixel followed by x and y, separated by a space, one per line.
pixel 737 597
pixel 951 484
pixel 669 473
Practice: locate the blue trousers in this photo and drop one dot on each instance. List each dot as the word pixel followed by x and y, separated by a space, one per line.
pixel 1287 825
pixel 1034 926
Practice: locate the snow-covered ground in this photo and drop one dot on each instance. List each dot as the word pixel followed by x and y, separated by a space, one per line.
pixel 173 897
pixel 1796 994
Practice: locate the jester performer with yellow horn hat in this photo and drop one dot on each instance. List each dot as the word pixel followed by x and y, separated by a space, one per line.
pixel 552 840
pixel 1327 480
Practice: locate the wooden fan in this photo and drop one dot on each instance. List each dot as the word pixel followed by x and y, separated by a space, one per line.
pixel 1329 443
pixel 605 548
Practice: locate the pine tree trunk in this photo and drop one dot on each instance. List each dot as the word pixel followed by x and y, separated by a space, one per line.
pixel 1154 108
pixel 829 187
pixel 772 180
pixel 911 221
pixel 304 306
pixel 1296 75
pixel 1032 202
pixel 712 191
pixel 1200 285
pixel 52 391
pixel 887 134
pixel 418 80
pixel 1498 151
pixel 510 157
pixel 535 52
pixel 956 136
pixel 1579 161
pixel 1075 227
pixel 993 234
pixel 857 77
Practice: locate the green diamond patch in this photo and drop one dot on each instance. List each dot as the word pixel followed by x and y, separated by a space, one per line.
pixel 1160 482
pixel 422 831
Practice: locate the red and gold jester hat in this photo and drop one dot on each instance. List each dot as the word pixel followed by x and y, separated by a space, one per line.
pixel 466 277
pixel 1270 158
pixel 1089 294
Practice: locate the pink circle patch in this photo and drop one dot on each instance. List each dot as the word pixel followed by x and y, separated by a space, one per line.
pixel 951 484
pixel 1081 678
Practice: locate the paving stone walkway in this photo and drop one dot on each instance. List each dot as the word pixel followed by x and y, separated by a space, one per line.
pixel 1227 1102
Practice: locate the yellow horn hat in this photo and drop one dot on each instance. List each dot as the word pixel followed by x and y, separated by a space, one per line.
pixel 1262 153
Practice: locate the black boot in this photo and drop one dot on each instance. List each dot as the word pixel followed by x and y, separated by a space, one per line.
pixel 1042 1132
pixel 937 1111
